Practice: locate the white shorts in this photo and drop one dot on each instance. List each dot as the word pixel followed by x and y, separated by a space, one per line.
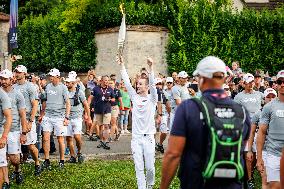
pixel 48 124
pixel 164 126
pixel 74 127
pixel 13 142
pixel 172 117
pixel 264 158
pixel 273 168
pixel 3 159
pixel 32 135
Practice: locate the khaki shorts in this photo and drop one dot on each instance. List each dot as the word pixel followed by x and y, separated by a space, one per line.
pixel 114 111
pixel 103 119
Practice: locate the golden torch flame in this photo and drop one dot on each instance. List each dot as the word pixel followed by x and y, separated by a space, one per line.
pixel 121 8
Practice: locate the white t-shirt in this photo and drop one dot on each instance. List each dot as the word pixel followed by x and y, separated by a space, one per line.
pixel 143 112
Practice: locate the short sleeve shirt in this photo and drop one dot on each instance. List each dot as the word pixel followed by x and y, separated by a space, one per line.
pixel 100 105
pixel 76 111
pixel 56 97
pixel 18 103
pixel 5 104
pixel 30 94
pixel 188 124
pixel 272 115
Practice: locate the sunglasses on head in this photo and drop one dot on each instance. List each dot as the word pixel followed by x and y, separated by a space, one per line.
pixel 279 82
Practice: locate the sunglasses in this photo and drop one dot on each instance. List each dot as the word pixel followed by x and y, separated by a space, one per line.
pixel 169 82
pixel 279 82
pixel 159 84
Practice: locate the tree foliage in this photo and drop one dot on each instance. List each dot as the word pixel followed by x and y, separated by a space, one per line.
pixel 64 37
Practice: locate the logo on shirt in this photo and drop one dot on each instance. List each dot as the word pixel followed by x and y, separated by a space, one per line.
pixel 280 113
pixel 253 100
pixel 51 92
pixel 224 112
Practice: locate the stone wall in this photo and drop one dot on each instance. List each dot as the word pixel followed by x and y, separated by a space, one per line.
pixel 4 29
pixel 141 42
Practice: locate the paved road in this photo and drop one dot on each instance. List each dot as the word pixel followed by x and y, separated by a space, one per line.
pixel 119 149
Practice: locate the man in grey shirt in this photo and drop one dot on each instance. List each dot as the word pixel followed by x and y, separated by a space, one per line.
pixel 31 101
pixel 251 100
pixel 55 115
pixel 272 127
pixel 15 136
pixel 179 93
pixel 5 125
pixel 77 99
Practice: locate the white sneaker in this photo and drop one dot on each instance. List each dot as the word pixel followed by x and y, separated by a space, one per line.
pixel 122 132
pixel 127 132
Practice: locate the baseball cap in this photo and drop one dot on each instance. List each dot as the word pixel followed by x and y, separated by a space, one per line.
pixel 6 74
pixel 21 68
pixel 183 74
pixel 248 78
pixel 169 79
pixel 280 74
pixel 54 72
pixel 72 74
pixel 269 91
pixel 158 80
pixel 70 79
pixel 42 77
pixel 210 65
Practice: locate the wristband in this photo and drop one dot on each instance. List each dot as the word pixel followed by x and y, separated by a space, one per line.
pixel 24 133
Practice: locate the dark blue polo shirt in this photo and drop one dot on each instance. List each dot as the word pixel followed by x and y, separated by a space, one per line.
pixel 187 124
pixel 102 106
pixel 117 95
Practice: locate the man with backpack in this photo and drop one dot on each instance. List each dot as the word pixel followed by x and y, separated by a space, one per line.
pixel 74 129
pixel 208 135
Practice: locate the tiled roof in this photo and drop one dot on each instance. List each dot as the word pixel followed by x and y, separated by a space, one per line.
pixel 4 17
pixel 272 4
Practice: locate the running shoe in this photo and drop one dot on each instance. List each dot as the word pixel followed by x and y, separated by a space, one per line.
pixel 5 185
pixel 106 146
pixel 19 178
pixel 80 158
pixel 37 170
pixel 250 184
pixel 61 165
pixel 46 165
pixel 72 160
pixel 160 148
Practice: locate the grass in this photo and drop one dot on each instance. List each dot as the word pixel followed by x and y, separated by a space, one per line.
pixel 99 174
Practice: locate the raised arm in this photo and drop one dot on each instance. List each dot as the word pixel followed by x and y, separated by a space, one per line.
pixel 153 90
pixel 131 91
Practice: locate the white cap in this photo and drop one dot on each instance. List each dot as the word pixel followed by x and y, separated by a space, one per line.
pixel 54 72
pixel 269 91
pixel 248 78
pixel 169 79
pixel 210 65
pixel 225 86
pixel 280 74
pixel 72 74
pixel 6 74
pixel 158 80
pixel 183 74
pixel 70 79
pixel 21 68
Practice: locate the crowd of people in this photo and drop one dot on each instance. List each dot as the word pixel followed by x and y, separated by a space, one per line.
pixel 200 115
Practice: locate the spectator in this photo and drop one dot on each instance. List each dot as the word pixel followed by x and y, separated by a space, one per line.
pixel 124 110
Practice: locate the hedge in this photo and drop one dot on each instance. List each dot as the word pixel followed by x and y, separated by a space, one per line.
pixel 197 29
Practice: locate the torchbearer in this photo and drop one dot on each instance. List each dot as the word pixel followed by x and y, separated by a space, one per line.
pixel 143 124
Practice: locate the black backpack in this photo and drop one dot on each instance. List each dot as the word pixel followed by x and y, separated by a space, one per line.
pixel 223 150
pixel 76 96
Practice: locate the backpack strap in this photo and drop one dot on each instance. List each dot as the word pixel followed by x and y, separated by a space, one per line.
pixel 203 109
